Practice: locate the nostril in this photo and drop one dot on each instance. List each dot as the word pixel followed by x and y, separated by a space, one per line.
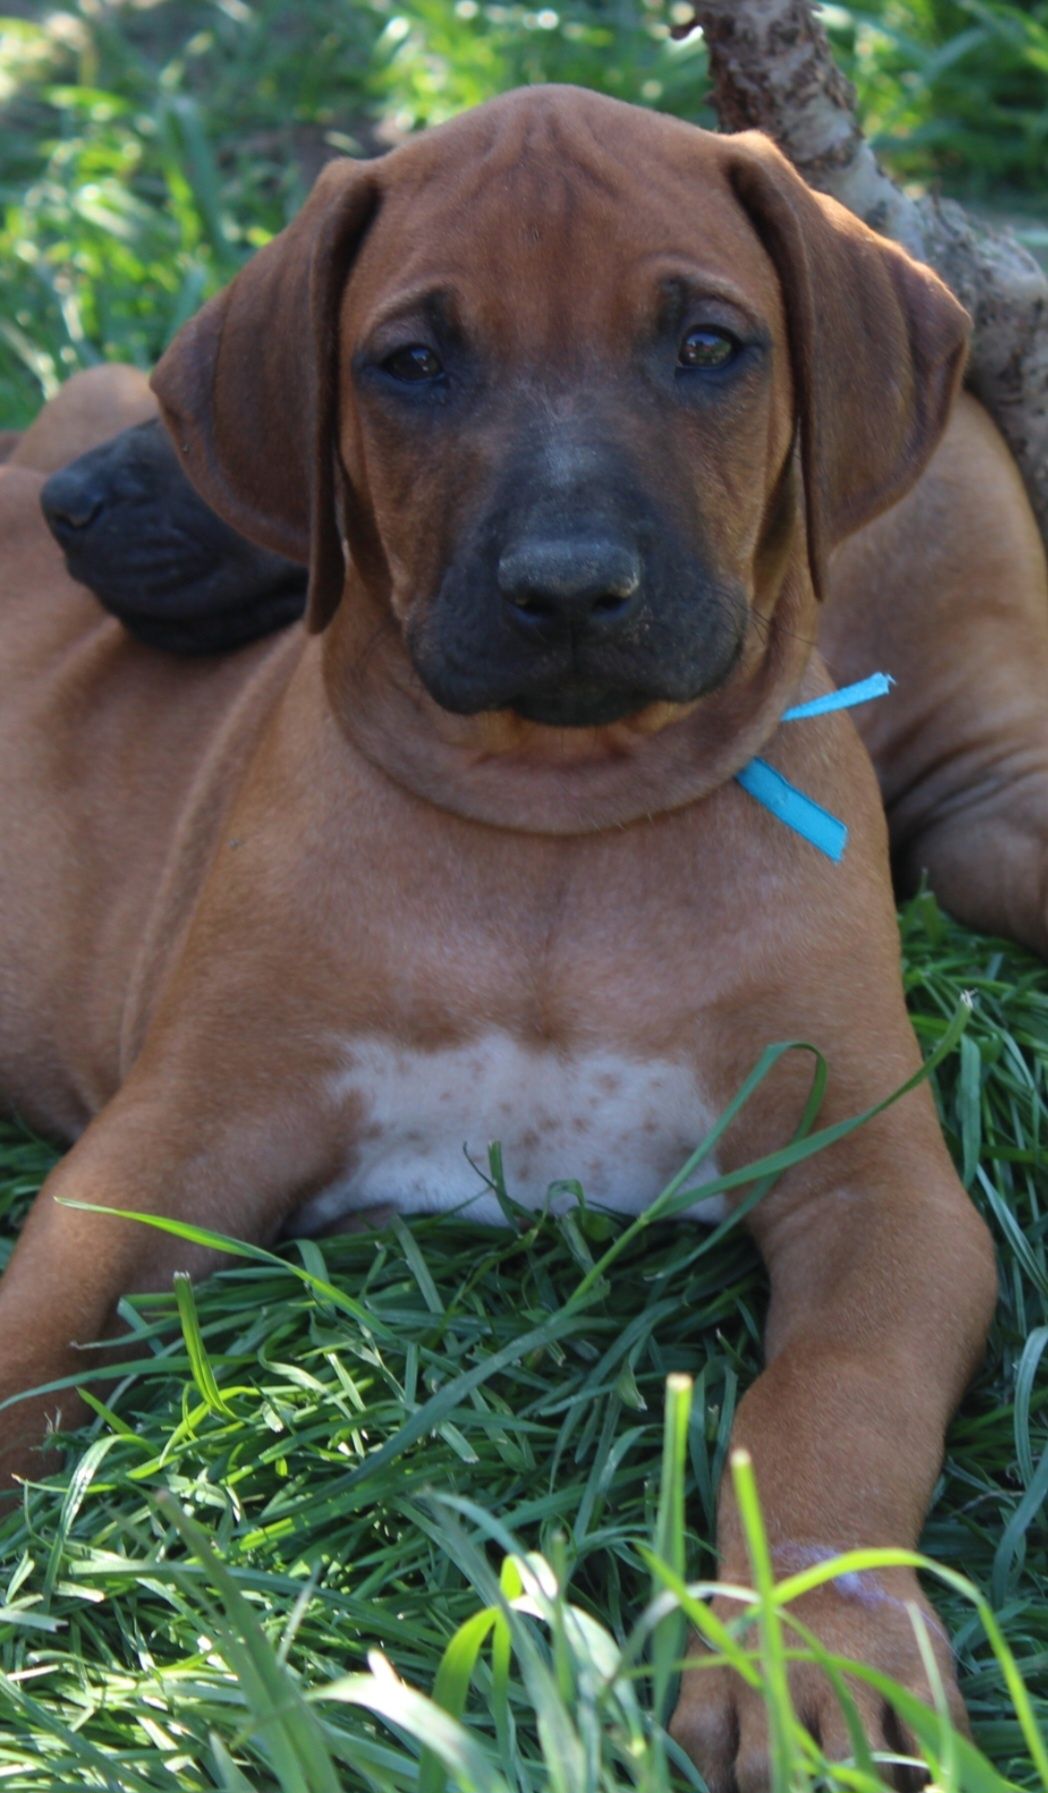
pixel 532 603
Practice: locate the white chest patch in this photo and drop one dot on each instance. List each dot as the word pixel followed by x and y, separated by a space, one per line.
pixel 620 1127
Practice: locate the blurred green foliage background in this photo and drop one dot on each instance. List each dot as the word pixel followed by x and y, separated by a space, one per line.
pixel 147 146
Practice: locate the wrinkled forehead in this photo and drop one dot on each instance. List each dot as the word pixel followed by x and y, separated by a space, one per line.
pixel 559 212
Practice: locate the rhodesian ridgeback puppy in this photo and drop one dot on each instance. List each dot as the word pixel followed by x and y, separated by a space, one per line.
pixel 135 532
pixel 949 587
pixel 567 406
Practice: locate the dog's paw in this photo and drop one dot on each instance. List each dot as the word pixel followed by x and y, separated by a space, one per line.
pixel 722 1723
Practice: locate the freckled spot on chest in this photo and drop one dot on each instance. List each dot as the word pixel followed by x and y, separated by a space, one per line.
pixel 620 1126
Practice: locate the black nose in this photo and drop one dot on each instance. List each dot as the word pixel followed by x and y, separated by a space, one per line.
pixel 70 502
pixel 554 587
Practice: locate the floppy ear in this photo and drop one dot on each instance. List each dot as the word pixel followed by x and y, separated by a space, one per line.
pixel 249 387
pixel 877 347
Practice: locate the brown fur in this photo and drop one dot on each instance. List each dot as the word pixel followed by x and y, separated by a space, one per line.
pixel 69 424
pixel 950 592
pixel 218 873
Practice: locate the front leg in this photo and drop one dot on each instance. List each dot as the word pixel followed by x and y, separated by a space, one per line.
pixel 883 1284
pixel 226 1145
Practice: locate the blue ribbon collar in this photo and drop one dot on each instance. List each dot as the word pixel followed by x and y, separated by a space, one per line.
pixel 793 807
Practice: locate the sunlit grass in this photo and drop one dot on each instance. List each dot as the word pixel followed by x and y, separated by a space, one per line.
pixel 418 1459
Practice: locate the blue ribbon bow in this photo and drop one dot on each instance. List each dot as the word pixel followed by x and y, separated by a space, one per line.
pixel 793 807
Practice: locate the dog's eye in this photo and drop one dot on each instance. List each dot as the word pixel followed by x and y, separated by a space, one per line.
pixel 707 347
pixel 414 363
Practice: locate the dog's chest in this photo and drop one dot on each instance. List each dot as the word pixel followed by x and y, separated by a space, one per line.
pixel 423 1122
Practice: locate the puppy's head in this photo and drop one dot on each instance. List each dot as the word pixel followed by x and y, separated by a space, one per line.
pixel 134 531
pixel 583 389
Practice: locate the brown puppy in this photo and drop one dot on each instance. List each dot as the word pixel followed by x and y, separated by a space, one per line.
pixel 948 589
pixel 592 396
pixel 134 531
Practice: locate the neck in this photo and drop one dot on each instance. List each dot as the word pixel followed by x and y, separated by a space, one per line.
pixel 497 768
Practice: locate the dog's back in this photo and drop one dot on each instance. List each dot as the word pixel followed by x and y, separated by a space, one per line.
pixel 90 723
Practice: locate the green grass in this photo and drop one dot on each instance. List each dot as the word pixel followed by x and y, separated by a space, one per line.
pixel 424 1444
pixel 953 90
pixel 374 1436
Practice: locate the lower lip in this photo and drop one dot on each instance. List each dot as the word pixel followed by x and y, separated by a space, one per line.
pixel 599 711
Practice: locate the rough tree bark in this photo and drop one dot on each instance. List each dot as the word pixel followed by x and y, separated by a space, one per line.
pixel 773 70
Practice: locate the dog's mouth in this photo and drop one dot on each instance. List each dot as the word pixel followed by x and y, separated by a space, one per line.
pixel 574 700
pixel 582 693
pixel 162 563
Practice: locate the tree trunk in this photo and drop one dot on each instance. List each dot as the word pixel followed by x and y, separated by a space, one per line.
pixel 773 70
